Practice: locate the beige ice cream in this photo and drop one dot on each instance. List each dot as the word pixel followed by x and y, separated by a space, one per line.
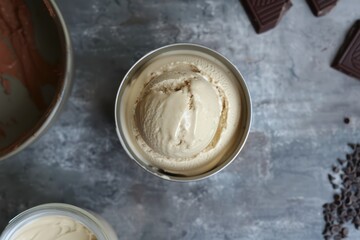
pixel 178 113
pixel 181 112
pixel 53 228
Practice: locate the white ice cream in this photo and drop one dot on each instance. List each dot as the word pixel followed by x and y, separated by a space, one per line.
pixel 181 112
pixel 53 228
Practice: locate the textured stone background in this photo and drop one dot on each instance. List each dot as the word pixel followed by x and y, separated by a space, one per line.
pixel 276 187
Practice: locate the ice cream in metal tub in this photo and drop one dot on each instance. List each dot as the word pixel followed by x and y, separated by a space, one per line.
pixel 35 70
pixel 183 112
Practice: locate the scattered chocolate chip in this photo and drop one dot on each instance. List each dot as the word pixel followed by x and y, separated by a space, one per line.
pixel 345 207
pixel 331 178
pixel 335 229
pixel 348 194
pixel 336 169
pixel 326 231
pixel 351 212
pixel 343 215
pixel 265 15
pixel 352 176
pixel 344 232
pixel 348 201
pixel 352 146
pixel 346 120
pixel 341 161
pixel 337 197
pixel 347 183
pixel 332 206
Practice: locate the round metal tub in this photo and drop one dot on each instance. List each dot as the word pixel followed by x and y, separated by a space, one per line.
pixel 123 131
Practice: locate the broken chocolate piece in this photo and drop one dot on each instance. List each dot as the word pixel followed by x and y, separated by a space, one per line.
pixel 321 7
pixel 348 57
pixel 265 14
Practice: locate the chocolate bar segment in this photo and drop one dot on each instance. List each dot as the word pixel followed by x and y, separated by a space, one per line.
pixel 348 57
pixel 265 14
pixel 321 7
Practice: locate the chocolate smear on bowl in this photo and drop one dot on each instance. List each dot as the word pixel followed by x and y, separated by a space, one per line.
pixel 31 76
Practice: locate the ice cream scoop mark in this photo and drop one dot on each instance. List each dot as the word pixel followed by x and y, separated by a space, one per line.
pixel 191 98
pixel 222 123
pixel 168 88
pixel 194 69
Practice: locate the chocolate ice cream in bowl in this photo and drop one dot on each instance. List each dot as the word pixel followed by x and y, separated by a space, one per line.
pixel 183 112
pixel 35 70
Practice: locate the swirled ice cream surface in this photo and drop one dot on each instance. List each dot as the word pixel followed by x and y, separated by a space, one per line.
pixel 53 228
pixel 181 112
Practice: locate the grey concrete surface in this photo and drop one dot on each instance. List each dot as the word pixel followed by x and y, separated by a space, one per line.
pixel 276 187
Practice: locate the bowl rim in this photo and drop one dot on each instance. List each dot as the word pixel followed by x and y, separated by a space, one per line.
pixel 217 56
pixel 46 120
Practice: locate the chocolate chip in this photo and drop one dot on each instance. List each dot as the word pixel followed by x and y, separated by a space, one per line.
pixel 341 161
pixel 352 146
pixel 331 178
pixel 345 206
pixel 346 120
pixel 351 212
pixel 327 231
pixel 337 197
pixel 337 237
pixel 343 215
pixel 336 169
pixel 335 228
pixel 348 194
pixel 344 232
pixel 356 220
pixel 347 183
pixel 349 170
pixel 332 206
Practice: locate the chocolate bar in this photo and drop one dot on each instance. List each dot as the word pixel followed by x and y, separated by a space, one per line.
pixel 348 57
pixel 265 14
pixel 321 7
